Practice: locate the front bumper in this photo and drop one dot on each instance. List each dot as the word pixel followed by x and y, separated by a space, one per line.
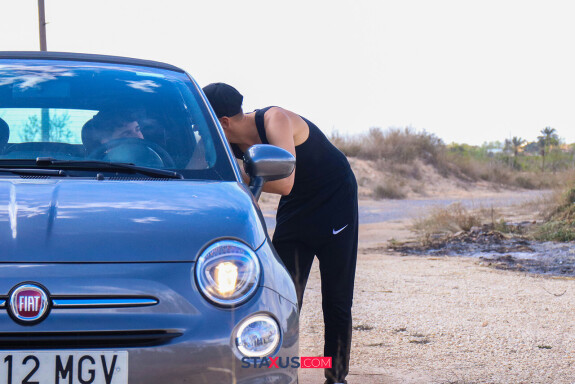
pixel 181 339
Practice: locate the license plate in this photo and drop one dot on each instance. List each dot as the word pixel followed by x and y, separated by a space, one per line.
pixel 64 367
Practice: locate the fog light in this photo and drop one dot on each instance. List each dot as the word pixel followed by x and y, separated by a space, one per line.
pixel 258 336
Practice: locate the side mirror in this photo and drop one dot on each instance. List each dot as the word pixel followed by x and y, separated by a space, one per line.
pixel 264 162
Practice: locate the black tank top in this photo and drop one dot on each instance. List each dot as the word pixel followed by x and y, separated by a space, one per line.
pixel 320 170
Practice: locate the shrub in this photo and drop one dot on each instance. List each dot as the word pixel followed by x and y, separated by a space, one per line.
pixel 525 182
pixel 560 219
pixel 395 144
pixel 450 219
pixel 555 231
pixel 388 191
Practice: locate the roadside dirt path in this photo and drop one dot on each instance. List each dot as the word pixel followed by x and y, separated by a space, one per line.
pixel 372 211
pixel 446 319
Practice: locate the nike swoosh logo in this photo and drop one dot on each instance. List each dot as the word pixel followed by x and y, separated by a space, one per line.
pixel 335 232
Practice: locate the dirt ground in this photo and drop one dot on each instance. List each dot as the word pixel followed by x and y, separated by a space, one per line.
pixel 421 319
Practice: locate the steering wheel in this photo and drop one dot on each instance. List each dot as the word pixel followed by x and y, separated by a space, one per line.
pixel 133 150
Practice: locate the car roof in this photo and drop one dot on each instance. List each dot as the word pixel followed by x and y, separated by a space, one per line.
pixel 68 56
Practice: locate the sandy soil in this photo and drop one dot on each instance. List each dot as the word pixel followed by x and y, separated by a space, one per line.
pixel 446 319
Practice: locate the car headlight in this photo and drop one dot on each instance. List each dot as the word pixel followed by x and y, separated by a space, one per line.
pixel 258 336
pixel 228 272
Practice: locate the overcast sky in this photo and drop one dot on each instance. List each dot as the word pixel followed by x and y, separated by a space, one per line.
pixel 467 71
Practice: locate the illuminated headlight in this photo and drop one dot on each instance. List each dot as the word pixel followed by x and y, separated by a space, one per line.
pixel 228 272
pixel 258 336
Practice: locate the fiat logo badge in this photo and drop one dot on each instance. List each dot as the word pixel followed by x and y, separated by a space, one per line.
pixel 29 303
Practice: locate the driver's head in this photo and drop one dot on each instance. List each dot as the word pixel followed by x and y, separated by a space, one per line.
pixel 117 124
pixel 109 125
pixel 124 130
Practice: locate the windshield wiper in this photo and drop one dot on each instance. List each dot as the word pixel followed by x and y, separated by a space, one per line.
pixel 34 172
pixel 98 164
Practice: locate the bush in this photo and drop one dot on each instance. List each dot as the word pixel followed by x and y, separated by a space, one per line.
pixel 560 220
pixel 525 182
pixel 450 219
pixel 555 231
pixel 388 191
pixel 396 145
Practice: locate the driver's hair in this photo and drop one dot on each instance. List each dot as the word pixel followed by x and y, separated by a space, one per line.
pixel 104 123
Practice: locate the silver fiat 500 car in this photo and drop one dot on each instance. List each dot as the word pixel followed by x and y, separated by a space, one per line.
pixel 131 251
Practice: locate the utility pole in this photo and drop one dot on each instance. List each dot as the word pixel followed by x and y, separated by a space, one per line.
pixel 42 21
pixel 45 113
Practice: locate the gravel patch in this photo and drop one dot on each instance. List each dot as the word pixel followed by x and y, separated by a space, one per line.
pixel 449 320
pixel 445 319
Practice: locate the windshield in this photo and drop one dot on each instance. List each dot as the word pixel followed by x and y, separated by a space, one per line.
pixel 75 111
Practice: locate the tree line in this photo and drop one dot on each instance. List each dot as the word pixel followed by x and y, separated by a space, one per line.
pixel 548 152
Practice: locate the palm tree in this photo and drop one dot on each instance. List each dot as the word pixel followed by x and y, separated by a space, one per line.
pixel 547 139
pixel 550 135
pixel 516 143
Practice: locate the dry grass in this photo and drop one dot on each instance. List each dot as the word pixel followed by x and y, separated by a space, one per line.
pixel 559 216
pixel 388 190
pixel 556 212
pixel 450 219
pixel 499 173
pixel 395 145
pixel 401 153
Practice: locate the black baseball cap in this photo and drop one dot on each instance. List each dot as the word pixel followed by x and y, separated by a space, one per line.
pixel 225 99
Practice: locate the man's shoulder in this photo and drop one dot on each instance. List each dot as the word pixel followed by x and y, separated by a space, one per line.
pixel 268 111
pixel 275 112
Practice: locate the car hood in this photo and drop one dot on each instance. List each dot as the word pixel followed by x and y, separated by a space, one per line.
pixel 46 220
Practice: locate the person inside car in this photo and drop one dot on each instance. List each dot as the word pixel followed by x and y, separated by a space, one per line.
pixel 108 125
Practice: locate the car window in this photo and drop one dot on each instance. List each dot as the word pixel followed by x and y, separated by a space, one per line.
pixel 111 112
pixel 56 125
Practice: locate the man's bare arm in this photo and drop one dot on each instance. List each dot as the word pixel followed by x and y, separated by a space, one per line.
pixel 280 125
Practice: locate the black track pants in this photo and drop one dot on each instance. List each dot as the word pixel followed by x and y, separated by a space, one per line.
pixel 335 245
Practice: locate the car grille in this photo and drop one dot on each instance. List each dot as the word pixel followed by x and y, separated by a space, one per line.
pixel 127 178
pixel 98 339
pixel 35 177
pixel 95 301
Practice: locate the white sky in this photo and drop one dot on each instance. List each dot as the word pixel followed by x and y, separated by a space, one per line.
pixel 467 71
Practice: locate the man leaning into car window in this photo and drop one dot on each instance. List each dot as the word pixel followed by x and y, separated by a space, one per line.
pixel 317 214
